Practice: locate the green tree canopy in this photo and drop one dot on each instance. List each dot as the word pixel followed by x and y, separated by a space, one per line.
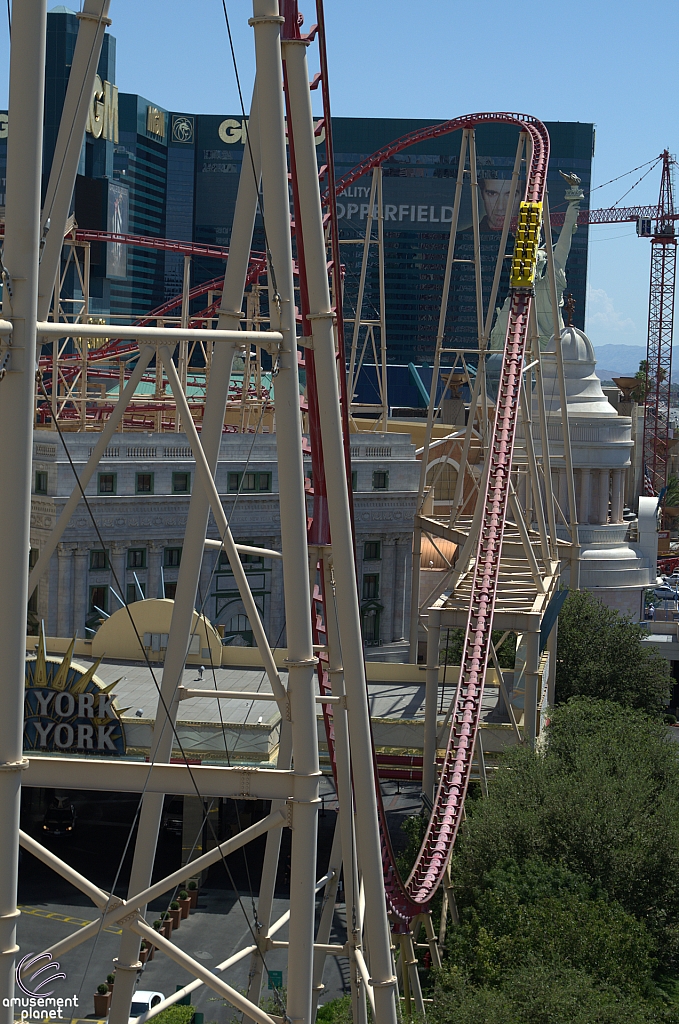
pixel 537 993
pixel 601 654
pixel 600 801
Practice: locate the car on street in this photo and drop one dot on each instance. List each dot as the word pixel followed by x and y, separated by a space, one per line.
pixel 173 816
pixel 59 817
pixel 143 1000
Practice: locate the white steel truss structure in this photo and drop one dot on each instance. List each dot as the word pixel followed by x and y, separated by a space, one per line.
pixel 31 269
pixel 361 849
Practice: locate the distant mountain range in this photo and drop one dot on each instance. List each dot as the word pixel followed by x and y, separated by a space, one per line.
pixel 623 361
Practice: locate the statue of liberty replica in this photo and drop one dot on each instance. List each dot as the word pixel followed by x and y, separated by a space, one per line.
pixel 543 303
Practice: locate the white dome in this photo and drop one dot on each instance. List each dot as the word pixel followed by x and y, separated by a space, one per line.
pixel 583 388
pixel 575 345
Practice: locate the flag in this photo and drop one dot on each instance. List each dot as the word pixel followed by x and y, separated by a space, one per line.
pixel 649 490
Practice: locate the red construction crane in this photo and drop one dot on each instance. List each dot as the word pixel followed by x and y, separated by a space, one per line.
pixel 660 325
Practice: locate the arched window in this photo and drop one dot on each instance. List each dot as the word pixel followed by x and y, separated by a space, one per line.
pixel 444 478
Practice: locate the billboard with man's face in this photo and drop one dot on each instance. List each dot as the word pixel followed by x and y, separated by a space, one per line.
pixel 418 196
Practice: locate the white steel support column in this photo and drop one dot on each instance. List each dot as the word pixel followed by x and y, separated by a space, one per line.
pixel 565 426
pixel 552 647
pixel 189 570
pixel 267 28
pixel 345 800
pixel 530 700
pixel 443 309
pixel 183 358
pixel 430 703
pixel 539 394
pixel 93 21
pixel 20 257
pixel 354 369
pixel 377 927
pixel 381 373
pixel 267 884
pixel 481 368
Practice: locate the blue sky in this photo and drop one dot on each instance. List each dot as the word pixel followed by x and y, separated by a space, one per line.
pixel 598 61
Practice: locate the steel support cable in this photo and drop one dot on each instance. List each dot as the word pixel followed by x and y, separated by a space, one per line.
pixel 407 899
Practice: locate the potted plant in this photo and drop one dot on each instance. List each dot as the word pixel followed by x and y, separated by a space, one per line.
pixel 175 914
pixel 166 928
pixel 110 981
pixel 184 901
pixel 144 951
pixel 193 892
pixel 102 1000
pixel 157 925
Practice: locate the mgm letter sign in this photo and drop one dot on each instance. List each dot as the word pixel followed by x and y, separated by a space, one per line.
pixel 102 118
pixel 67 709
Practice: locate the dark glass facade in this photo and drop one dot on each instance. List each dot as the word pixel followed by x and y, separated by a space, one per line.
pixel 176 175
pixel 140 162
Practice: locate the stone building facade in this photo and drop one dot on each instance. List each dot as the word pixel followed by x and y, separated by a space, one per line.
pixel 140 496
pixel 615 570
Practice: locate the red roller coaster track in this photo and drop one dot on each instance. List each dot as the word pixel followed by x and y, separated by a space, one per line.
pixel 411 897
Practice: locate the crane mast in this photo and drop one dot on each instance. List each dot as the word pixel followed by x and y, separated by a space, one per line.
pixel 659 346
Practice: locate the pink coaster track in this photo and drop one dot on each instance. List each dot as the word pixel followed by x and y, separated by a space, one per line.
pixel 408 898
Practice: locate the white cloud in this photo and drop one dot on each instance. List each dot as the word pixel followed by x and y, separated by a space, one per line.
pixel 602 314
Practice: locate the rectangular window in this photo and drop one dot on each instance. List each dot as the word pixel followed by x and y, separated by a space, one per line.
pixel 98 560
pixel 144 483
pixel 371 586
pixel 99 599
pixel 354 481
pixel 170 590
pixel 181 483
pixel 371 551
pixel 249 482
pixel 380 480
pixel 172 557
pixel 107 483
pixel 133 592
pixel 41 482
pixel 136 558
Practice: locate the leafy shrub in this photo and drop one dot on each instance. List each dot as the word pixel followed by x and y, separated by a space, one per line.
pixel 601 654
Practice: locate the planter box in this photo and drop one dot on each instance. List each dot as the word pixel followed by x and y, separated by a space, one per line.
pixel 102 1004
pixel 176 916
pixel 166 930
pixel 144 955
pixel 193 896
pixel 185 906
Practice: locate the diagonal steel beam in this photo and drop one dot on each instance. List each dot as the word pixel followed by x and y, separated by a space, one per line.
pixel 210 489
pixel 204 973
pixel 124 908
pixel 93 22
